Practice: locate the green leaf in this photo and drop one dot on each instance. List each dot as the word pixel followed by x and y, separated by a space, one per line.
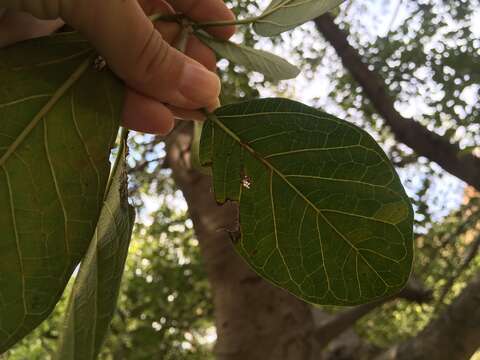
pixel 94 295
pixel 272 66
pixel 283 15
pixel 58 120
pixel 322 211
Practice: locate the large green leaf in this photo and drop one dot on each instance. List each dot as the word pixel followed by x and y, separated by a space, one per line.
pixel 322 211
pixel 94 295
pixel 272 66
pixel 283 15
pixel 58 120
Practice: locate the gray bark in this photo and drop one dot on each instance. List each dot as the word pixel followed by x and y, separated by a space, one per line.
pixel 255 320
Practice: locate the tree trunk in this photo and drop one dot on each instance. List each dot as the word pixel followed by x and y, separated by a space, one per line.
pixel 255 320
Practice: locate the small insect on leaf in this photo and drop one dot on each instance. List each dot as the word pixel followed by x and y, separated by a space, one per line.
pixel 246 182
pixel 99 63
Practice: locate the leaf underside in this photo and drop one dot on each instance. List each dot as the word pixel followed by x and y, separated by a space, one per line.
pixel 268 64
pixel 58 120
pixel 322 211
pixel 93 299
pixel 284 15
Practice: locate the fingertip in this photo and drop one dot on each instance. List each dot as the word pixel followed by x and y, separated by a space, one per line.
pixel 147 115
pixel 225 32
pixel 198 85
pixel 214 106
pixel 230 30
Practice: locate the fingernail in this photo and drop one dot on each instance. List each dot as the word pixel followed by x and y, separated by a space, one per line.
pixel 199 85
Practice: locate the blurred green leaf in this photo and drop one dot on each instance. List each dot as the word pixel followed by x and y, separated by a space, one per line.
pixel 283 15
pixel 272 66
pixel 94 295
pixel 322 211
pixel 58 120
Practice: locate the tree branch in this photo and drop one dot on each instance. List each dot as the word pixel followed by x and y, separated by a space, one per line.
pixel 332 328
pixel 417 137
pixel 455 334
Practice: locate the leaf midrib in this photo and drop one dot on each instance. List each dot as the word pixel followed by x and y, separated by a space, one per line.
pixel 265 162
pixel 276 171
pixel 281 6
pixel 72 79
pixel 268 59
pixel 275 8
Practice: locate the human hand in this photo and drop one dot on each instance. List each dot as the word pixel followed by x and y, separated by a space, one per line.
pixel 161 81
pixel 18 26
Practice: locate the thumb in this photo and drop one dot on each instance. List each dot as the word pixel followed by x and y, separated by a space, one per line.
pixel 17 26
pixel 137 53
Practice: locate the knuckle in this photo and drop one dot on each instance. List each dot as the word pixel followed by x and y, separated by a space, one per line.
pixel 151 57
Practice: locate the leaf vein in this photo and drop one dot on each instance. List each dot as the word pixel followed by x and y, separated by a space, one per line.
pixel 57 185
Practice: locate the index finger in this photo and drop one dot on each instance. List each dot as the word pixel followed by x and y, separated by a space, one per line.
pixel 205 11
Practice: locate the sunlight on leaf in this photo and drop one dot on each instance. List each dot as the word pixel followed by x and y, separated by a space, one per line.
pixel 322 211
pixel 270 65
pixel 283 15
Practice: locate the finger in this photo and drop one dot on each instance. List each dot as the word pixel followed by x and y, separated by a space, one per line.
pixel 197 10
pixel 151 7
pixel 17 26
pixel 144 114
pixel 195 49
pixel 183 114
pixel 169 29
pixel 201 53
pixel 137 52
pixel 197 115
pixel 207 10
